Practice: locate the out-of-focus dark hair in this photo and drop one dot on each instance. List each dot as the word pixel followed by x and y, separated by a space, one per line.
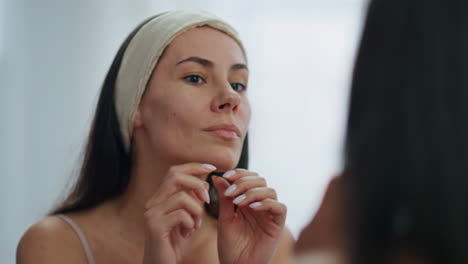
pixel 406 150
pixel 105 171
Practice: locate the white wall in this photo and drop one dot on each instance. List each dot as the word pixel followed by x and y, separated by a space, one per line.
pixel 54 55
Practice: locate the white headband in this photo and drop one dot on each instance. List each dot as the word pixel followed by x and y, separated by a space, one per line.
pixel 142 55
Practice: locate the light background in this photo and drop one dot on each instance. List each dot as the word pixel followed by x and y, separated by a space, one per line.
pixel 54 56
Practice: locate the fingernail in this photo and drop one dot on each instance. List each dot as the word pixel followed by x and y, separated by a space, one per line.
pixel 199 222
pixel 207 196
pixel 209 166
pixel 230 190
pixel 256 204
pixel 229 174
pixel 239 199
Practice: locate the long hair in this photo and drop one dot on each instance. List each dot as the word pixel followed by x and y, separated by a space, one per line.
pixel 406 147
pixel 105 171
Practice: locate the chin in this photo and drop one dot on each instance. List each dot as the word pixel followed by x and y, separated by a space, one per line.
pixel 224 165
pixel 223 160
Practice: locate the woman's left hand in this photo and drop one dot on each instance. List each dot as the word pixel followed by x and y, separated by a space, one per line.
pixel 251 233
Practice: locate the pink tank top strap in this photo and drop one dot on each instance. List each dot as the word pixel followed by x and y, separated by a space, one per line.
pixel 81 236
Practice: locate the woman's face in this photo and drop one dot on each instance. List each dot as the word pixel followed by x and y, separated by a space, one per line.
pixel 195 108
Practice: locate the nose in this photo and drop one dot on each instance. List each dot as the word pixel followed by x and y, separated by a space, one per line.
pixel 226 100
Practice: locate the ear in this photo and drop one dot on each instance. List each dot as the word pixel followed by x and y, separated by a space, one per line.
pixel 137 121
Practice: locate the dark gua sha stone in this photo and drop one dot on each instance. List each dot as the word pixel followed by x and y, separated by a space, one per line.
pixel 219 174
pixel 213 207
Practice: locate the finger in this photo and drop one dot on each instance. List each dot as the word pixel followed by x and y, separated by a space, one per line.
pixel 177 183
pixel 158 223
pixel 195 169
pixel 254 195
pixel 198 222
pixel 197 194
pixel 185 232
pixel 226 207
pixel 236 174
pixel 183 178
pixel 244 184
pixel 180 217
pixel 190 183
pixel 277 209
pixel 181 200
pixel 176 174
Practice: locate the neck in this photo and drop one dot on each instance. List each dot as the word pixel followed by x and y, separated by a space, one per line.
pixel 147 174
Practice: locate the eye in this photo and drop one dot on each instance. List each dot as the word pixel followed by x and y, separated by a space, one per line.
pixel 195 79
pixel 238 87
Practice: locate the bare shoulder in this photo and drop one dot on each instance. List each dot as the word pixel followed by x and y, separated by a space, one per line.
pixel 50 240
pixel 285 251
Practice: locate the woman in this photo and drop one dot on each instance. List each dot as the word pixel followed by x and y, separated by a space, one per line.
pixel 406 143
pixel 172 110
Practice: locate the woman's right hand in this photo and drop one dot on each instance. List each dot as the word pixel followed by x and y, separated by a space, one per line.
pixel 174 212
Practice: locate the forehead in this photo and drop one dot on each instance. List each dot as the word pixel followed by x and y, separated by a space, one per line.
pixel 205 42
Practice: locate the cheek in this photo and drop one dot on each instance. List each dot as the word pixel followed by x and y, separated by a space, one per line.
pixel 172 128
pixel 181 115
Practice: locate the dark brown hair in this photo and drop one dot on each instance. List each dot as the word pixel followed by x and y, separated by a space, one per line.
pixel 406 157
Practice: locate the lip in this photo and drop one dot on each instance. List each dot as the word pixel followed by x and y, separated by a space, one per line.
pixel 225 131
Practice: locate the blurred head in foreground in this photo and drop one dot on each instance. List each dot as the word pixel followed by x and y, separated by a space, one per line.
pixel 406 152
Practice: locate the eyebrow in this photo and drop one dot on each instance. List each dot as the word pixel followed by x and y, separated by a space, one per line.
pixel 208 63
pixel 239 66
pixel 201 61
